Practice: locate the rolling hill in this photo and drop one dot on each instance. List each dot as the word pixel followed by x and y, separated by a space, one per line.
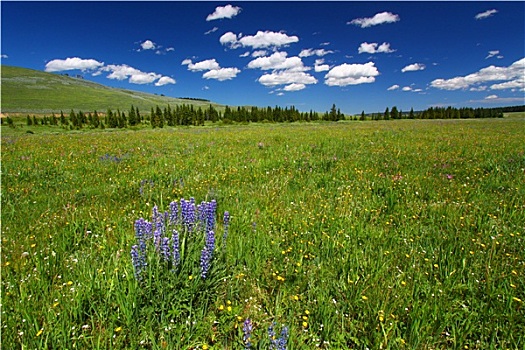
pixel 31 91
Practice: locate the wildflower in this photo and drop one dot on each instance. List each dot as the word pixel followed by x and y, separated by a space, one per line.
pixel 175 248
pixel 165 248
pixel 278 343
pixel 364 297
pixel 247 329
pixel 136 260
pixel 174 213
pixel 207 253
pixel 226 220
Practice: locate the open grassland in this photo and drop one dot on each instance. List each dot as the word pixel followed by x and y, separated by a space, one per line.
pixel 396 235
pixel 36 92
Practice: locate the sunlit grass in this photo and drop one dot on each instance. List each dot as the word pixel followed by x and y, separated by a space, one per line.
pixel 399 234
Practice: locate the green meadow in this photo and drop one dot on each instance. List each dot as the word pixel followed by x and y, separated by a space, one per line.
pixel 405 234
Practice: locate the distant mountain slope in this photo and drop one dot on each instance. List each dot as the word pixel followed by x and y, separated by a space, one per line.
pixel 31 91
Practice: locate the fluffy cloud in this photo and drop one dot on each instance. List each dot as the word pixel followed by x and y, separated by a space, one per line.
pixel 379 18
pixel 221 74
pixel 393 87
pixel 200 66
pixel 485 14
pixel 261 40
pixel 320 66
pixel 294 87
pixel 278 60
pixel 214 70
pixel 413 67
pixel 148 45
pixel 259 53
pixel 375 48
pixel 123 71
pixel 312 52
pixel 4 56
pixel 512 77
pixel 351 74
pixel 227 11
pixel 164 81
pixel 286 77
pixel 72 63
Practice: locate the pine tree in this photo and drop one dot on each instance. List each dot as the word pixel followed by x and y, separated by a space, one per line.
pixel 386 116
pixel 394 113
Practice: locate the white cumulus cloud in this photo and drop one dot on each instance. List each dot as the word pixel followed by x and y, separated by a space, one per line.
pixel 278 60
pixel 320 66
pixel 379 18
pixel 511 77
pixel 485 14
pixel 413 67
pixel 202 65
pixel 261 40
pixel 294 87
pixel 316 52
pixel 351 74
pixel 259 53
pixel 148 45
pixel 164 81
pixel 286 77
pixel 72 63
pixel 393 87
pixel 375 48
pixel 227 11
pixel 222 74
pixel 136 76
pixel 214 70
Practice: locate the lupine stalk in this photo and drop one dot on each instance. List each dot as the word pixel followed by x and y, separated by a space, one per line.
pixel 165 248
pixel 175 248
pixel 174 213
pixel 247 329
pixel 207 253
pixel 226 220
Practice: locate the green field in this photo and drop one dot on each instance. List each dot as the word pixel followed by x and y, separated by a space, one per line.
pixel 31 91
pixel 403 234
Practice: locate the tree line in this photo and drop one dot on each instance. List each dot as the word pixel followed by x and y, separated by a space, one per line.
pixel 188 115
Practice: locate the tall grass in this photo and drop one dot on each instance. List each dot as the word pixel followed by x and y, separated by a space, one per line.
pixel 393 235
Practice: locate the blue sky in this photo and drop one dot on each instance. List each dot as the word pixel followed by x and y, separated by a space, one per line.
pixel 358 55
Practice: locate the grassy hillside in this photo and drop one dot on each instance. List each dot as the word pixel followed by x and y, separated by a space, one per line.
pixel 30 91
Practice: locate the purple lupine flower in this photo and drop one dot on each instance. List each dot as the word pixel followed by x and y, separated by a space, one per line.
pixel 136 261
pixel 226 220
pixel 205 262
pixel 207 253
pixel 157 239
pixel 247 329
pixel 211 209
pixel 174 213
pixel 175 248
pixel 278 343
pixel 201 215
pixel 165 248
pixel 281 342
pixel 188 213
pixel 142 233
pixel 271 335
